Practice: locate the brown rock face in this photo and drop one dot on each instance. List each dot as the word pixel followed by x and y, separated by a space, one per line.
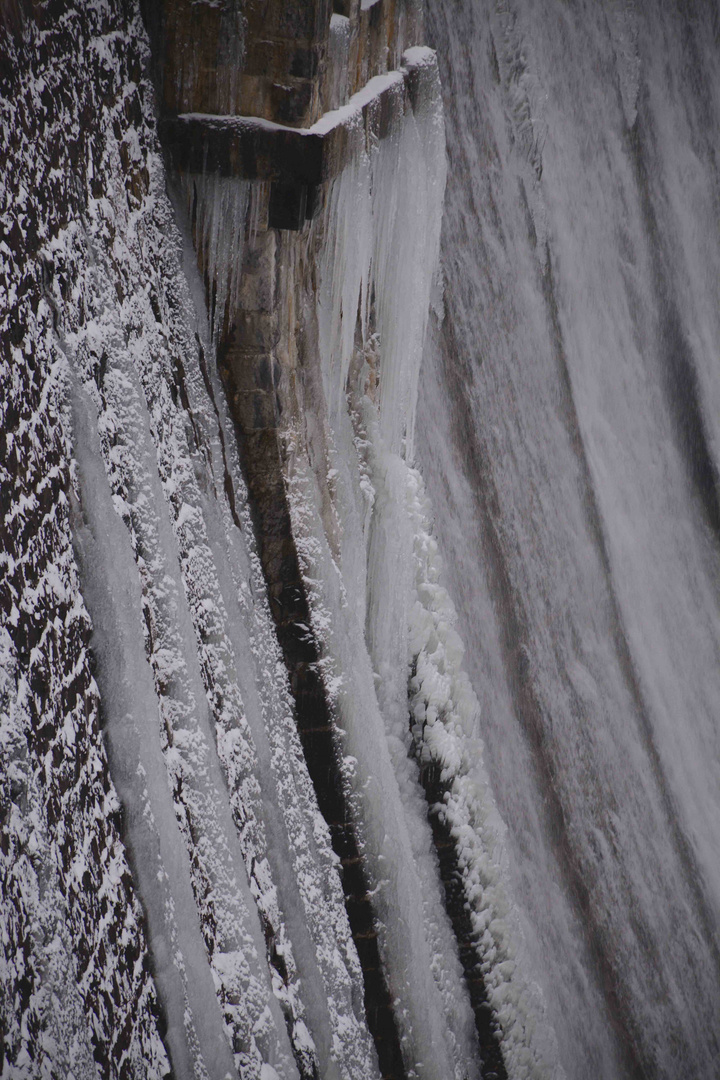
pixel 256 59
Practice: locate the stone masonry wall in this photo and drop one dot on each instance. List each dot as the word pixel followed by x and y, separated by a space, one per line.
pixel 76 993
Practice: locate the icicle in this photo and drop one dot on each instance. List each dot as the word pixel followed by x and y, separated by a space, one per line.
pixel 345 270
pixel 382 237
pixel 257 214
pixel 221 207
pixel 407 199
pixel 377 272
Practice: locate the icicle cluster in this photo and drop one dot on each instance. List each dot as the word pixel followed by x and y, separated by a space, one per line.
pixel 381 251
pixel 220 207
pixel 379 609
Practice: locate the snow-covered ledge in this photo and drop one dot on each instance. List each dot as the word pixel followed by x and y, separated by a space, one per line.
pixel 252 148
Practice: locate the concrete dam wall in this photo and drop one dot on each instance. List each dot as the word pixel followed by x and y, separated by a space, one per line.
pixel 353 355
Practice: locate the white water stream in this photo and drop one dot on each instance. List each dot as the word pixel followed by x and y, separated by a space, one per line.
pixel 567 431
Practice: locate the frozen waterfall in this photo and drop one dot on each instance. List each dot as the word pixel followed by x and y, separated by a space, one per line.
pixel 359 526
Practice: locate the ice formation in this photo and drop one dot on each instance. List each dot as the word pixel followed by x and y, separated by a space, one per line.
pixel 170 896
pixel 377 607
pixel 252 959
pixel 218 207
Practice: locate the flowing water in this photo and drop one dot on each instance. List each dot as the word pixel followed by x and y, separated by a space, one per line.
pixel 568 435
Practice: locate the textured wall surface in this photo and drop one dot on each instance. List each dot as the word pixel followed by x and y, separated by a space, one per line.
pixel 77 994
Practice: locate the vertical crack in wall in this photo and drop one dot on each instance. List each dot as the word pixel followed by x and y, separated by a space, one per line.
pixel 262 464
pixel 458 907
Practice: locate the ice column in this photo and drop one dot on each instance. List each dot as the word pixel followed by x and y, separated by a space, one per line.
pixel 378 272
pixel 219 207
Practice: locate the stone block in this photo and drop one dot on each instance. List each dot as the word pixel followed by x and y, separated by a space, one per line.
pixel 243 147
pixel 276 59
pixel 255 95
pixel 308 20
pixel 259 277
pixel 292 102
pixel 254 410
pixel 249 371
pixel 199 49
pixel 254 332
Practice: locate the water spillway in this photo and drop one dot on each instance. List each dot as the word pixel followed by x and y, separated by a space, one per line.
pixel 572 470
pixel 358 594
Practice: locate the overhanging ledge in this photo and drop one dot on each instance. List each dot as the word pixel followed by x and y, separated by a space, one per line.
pixel 252 148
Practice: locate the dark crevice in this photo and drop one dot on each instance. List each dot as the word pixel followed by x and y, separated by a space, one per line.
pixel 227 478
pixel 262 466
pixel 458 909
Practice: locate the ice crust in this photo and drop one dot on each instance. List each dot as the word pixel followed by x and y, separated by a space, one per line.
pixel 128 440
pixel 232 859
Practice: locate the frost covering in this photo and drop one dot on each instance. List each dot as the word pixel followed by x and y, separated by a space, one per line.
pixel 133 448
pixel 170 898
pixel 76 996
